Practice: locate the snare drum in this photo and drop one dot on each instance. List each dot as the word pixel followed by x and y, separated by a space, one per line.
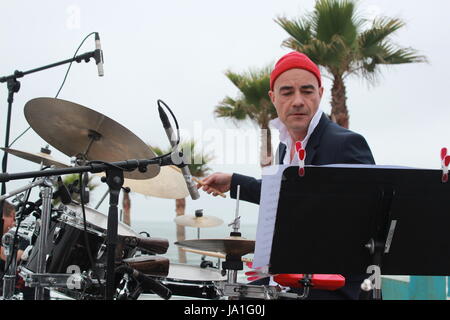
pixel 66 245
pixel 192 281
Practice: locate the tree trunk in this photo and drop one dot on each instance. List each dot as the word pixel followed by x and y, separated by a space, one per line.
pixel 126 206
pixel 339 111
pixel 266 155
pixel 180 207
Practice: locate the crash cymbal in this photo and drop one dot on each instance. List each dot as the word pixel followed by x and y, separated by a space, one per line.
pixel 168 184
pixel 198 222
pixel 234 246
pixel 76 130
pixel 40 157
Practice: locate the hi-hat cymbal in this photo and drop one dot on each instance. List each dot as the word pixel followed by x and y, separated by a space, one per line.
pixel 74 129
pixel 168 184
pixel 40 157
pixel 234 246
pixel 198 222
pixel 213 254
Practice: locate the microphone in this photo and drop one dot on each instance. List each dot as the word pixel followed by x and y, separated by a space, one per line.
pixel 147 282
pixel 184 168
pixel 63 192
pixel 98 55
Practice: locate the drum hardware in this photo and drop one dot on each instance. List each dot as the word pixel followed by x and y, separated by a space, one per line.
pixel 145 281
pixel 9 278
pixel 124 290
pixel 236 223
pixel 46 192
pixel 13 87
pixel 56 280
pixel 190 281
pixel 125 189
pixel 46 185
pixel 265 292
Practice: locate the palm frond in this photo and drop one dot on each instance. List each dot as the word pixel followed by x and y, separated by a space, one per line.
pixel 332 18
pixel 253 101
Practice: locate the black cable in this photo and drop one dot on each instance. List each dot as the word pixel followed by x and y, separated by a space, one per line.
pixel 174 119
pixel 62 84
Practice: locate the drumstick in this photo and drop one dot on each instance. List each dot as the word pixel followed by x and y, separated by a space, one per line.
pixel 200 182
pixel 213 254
pixel 203 184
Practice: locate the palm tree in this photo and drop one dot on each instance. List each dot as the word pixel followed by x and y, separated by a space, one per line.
pixel 198 169
pixel 71 181
pixel 335 37
pixel 253 104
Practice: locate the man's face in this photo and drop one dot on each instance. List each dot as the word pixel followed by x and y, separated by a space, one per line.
pixel 296 96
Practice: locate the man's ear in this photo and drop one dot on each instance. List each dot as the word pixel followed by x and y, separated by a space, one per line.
pixel 321 92
pixel 271 96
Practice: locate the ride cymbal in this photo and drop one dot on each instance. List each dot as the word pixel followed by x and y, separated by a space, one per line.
pixel 77 130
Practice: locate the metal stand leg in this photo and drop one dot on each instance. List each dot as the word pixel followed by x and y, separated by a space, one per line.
pixel 46 192
pixel 9 280
pixel 114 179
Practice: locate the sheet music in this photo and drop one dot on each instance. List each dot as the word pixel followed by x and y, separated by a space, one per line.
pixel 270 193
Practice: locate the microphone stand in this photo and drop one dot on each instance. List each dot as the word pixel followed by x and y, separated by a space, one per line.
pixel 13 87
pixel 114 179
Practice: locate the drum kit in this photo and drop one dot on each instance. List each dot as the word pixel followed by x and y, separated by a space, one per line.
pixel 70 245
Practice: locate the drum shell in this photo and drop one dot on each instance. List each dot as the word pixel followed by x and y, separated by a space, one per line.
pixel 65 246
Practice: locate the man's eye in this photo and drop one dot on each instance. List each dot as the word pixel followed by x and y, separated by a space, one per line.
pixel 307 92
pixel 286 93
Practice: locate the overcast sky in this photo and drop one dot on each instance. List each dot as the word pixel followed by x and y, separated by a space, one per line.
pixel 178 51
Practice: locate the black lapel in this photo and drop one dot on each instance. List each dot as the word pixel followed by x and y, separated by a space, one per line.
pixel 314 139
pixel 281 152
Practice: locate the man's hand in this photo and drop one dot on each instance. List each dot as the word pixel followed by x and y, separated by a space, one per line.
pixel 216 182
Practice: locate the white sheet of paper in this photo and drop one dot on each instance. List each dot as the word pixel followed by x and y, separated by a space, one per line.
pixel 268 206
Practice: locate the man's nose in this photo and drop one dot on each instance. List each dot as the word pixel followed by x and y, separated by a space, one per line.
pixel 298 100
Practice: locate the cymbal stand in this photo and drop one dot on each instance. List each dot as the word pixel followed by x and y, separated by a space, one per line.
pixel 114 179
pixel 13 87
pixel 9 279
pixel 46 194
pixel 236 223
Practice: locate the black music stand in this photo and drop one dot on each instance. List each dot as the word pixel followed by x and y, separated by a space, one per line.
pixel 341 220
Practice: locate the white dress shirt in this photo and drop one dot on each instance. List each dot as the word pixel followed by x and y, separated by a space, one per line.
pixel 286 138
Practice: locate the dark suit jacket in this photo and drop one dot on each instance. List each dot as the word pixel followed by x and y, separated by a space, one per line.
pixel 328 144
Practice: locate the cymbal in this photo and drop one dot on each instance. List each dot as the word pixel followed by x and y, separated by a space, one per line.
pixel 76 130
pixel 40 157
pixel 235 246
pixel 213 254
pixel 198 222
pixel 168 184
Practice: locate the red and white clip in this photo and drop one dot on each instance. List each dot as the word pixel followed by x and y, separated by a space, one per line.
pixel 445 162
pixel 301 154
